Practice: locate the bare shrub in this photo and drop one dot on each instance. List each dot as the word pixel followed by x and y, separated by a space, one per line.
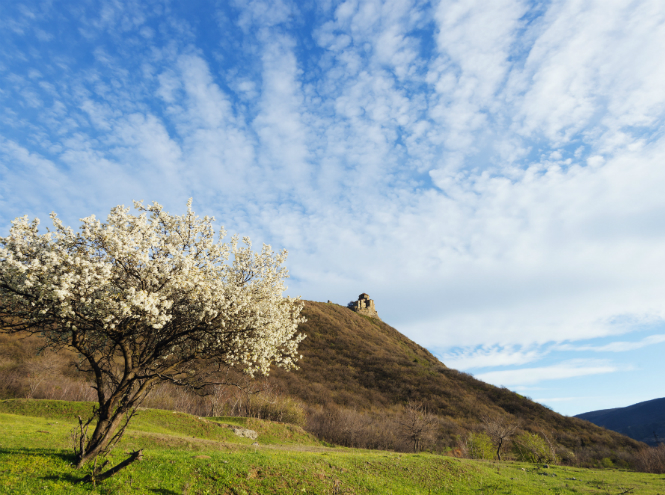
pixel 566 456
pixel 417 426
pixel 37 371
pixel 400 429
pixel 351 428
pixel 651 460
pixel 277 407
pixel 11 385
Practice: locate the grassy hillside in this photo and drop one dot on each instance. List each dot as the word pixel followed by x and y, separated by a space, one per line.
pixel 187 455
pixel 358 362
pixel 172 423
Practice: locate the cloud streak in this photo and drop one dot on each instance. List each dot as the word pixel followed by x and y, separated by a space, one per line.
pixel 532 376
pixel 616 346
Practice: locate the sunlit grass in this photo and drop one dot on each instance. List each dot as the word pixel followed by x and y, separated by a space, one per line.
pixel 189 455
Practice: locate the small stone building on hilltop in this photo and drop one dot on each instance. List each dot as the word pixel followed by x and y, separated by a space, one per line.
pixel 364 306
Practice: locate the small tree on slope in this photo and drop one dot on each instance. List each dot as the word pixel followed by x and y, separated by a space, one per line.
pixel 499 429
pixel 145 299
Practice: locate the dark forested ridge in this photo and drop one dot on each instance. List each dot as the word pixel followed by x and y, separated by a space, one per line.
pixel 644 421
pixel 357 362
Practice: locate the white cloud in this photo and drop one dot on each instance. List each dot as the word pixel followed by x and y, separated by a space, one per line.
pixel 477 38
pixel 616 346
pixel 593 70
pixel 474 40
pixel 282 132
pixel 530 376
pixel 486 357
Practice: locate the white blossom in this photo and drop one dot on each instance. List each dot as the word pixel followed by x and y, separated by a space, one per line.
pixel 155 276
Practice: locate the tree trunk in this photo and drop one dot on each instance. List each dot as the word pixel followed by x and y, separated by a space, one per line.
pixel 104 432
pixel 498 450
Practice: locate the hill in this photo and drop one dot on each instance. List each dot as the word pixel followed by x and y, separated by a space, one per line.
pixel 357 363
pixel 355 381
pixel 644 421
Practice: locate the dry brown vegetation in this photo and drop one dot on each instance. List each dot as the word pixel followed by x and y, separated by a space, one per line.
pixel 651 460
pixel 354 386
pixel 28 372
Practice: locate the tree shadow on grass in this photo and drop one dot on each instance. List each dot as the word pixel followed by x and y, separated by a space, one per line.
pixel 67 457
pixel 73 478
pixel 59 454
pixel 68 477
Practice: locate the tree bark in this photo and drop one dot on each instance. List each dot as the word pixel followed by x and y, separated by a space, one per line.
pixel 102 435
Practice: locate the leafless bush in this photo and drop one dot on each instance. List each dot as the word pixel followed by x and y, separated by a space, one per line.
pixel 277 408
pixel 400 429
pixel 651 460
pixel 417 426
pixel 351 428
pixel 37 371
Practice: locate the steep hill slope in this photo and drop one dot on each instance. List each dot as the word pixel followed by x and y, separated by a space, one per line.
pixel 357 362
pixel 644 421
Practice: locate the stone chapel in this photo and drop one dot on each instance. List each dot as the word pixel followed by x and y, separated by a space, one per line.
pixel 365 306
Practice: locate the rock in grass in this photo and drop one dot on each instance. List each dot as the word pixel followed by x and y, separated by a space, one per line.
pixel 244 432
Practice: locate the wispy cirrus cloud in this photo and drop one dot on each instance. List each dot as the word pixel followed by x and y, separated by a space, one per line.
pixel 619 346
pixel 531 376
pixel 490 357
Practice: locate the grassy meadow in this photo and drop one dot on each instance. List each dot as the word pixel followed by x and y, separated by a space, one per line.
pixel 184 454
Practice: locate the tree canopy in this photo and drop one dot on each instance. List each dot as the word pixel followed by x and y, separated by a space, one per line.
pixel 147 298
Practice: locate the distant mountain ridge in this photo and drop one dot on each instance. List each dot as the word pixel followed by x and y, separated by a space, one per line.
pixel 644 421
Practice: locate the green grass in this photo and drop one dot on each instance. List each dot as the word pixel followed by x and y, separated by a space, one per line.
pixel 189 455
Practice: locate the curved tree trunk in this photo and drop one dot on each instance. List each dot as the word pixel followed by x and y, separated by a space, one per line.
pixel 107 433
pixel 104 432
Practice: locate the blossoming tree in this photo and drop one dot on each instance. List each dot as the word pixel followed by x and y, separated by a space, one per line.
pixel 144 299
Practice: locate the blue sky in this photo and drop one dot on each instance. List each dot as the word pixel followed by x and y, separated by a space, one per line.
pixel 491 173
